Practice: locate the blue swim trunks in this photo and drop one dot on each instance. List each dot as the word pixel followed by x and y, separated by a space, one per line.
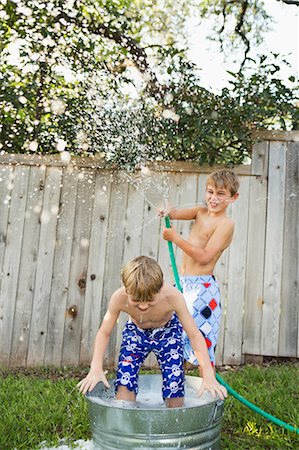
pixel 202 296
pixel 166 343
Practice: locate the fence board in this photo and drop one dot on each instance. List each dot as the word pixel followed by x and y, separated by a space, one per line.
pixel 274 250
pixel 288 327
pixel 233 334
pixel 201 189
pixel 28 262
pixel 255 251
pixel 96 264
pixel 44 266
pixel 132 243
pixel 61 269
pixel 12 258
pixel 114 253
pixel 6 185
pixel 78 271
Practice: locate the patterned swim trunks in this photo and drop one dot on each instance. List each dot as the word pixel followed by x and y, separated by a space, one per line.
pixel 203 301
pixel 167 344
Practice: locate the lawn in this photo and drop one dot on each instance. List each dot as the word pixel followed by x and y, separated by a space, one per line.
pixel 44 406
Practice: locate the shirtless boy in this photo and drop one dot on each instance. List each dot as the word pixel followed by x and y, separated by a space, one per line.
pixel 210 235
pixel 157 313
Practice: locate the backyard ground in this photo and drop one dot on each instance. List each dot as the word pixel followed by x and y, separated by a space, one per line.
pixel 41 407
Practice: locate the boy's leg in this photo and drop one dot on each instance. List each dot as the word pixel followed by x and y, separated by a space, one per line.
pixel 123 393
pixel 133 351
pixel 174 402
pixel 169 352
pixel 203 300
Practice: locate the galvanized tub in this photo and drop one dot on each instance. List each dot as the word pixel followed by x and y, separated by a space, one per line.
pixel 148 424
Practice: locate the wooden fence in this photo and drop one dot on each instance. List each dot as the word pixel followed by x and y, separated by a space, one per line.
pixel 66 230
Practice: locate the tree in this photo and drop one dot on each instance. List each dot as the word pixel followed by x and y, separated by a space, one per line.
pixel 239 22
pixel 112 77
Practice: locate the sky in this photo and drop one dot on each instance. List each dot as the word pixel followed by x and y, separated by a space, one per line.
pixel 283 38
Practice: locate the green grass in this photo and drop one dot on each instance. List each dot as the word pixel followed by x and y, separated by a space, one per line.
pixel 44 406
pixel 35 410
pixel 273 389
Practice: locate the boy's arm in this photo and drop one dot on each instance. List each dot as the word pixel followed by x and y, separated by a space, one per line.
pixel 219 240
pixel 199 346
pixel 96 372
pixel 180 213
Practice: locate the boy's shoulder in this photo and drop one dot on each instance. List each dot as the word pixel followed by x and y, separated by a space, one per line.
pixel 120 297
pixel 202 209
pixel 225 225
pixel 227 220
pixel 167 286
pixel 120 292
pixel 170 292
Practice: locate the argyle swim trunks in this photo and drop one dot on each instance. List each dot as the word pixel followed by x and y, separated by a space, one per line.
pixel 167 344
pixel 203 301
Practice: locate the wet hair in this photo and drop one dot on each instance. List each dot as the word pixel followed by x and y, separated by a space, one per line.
pixel 142 278
pixel 224 178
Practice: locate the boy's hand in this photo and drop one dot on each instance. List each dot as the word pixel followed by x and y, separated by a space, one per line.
pixel 169 233
pixel 163 212
pixel 91 380
pixel 214 387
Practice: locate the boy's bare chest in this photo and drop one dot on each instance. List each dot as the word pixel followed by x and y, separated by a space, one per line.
pixel 203 229
pixel 151 318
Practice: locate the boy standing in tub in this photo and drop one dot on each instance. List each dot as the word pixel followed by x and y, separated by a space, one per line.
pixel 157 315
pixel 210 235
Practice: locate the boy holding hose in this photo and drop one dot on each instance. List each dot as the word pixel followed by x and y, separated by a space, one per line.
pixel 211 233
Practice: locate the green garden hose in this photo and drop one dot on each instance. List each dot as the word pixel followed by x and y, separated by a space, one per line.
pixel 256 408
pixel 172 258
pixel 218 377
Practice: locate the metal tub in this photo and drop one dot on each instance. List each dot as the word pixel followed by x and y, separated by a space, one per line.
pixel 148 424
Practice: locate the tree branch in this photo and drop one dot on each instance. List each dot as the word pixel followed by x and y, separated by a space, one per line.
pixel 240 32
pixel 138 54
pixel 291 2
